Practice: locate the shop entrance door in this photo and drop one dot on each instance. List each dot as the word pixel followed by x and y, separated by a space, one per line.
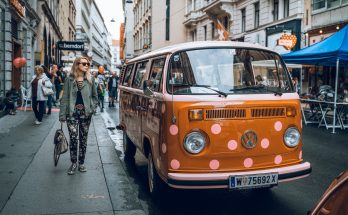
pixel 16 73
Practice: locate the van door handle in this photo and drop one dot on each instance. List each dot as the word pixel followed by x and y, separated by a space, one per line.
pixel 140 108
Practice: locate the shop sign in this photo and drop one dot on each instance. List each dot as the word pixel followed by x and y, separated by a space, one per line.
pixel 69 45
pixel 18 6
pixel 287 41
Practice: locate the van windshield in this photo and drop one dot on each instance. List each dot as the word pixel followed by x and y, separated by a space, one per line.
pixel 227 71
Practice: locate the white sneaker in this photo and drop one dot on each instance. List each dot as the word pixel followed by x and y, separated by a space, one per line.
pixel 37 122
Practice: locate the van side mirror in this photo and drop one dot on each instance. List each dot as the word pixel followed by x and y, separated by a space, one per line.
pixel 146 87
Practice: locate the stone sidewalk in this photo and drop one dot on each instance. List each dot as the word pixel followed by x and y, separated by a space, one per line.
pixel 30 184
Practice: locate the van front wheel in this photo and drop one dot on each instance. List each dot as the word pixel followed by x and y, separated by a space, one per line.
pixel 128 147
pixel 156 186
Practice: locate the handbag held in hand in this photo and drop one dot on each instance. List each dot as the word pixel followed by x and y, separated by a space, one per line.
pixel 60 144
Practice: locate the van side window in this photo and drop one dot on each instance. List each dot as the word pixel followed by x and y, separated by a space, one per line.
pixel 156 74
pixel 139 74
pixel 128 75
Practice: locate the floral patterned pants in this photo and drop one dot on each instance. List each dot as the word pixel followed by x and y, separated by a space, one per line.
pixel 78 130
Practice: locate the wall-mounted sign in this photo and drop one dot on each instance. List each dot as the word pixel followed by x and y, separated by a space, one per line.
pixel 288 41
pixel 18 6
pixel 70 45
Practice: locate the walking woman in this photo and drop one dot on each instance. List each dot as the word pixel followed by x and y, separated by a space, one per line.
pixel 38 98
pixel 78 103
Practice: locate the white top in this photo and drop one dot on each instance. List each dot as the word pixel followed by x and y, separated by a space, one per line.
pixel 200 44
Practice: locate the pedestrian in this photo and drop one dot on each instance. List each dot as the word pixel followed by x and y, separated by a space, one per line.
pixel 112 88
pixel 58 81
pixel 77 105
pixel 9 104
pixel 39 81
pixel 296 85
pixel 48 104
pixel 101 88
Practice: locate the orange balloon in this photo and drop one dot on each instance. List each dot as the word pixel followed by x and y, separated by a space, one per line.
pixel 22 61
pixel 17 63
pixel 101 69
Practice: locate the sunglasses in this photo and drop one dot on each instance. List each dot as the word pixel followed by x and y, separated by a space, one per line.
pixel 85 64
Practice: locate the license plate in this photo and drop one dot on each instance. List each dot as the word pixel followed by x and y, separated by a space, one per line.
pixel 252 181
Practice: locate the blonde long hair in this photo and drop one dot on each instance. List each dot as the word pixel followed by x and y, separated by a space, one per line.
pixel 74 68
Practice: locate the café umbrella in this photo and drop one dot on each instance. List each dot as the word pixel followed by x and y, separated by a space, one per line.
pixel 333 51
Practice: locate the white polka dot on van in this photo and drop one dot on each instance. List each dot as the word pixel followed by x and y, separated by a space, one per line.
pixel 232 145
pixel 175 164
pixel 173 129
pixel 214 164
pixel 264 143
pixel 216 129
pixel 248 162
pixel 278 159
pixel 278 126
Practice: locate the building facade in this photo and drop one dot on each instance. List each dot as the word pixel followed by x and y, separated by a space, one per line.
pixel 325 18
pixel 67 25
pixel 255 21
pixel 157 25
pixel 18 33
pixel 115 52
pixel 67 19
pixel 49 33
pixel 128 42
pixel 99 36
pixel 83 25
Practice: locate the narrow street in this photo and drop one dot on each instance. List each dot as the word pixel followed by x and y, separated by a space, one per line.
pixel 32 185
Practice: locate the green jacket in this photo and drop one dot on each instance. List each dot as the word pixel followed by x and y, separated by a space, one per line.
pixel 89 96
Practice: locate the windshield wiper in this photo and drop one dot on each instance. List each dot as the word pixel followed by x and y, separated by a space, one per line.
pixel 205 86
pixel 258 87
pixel 209 87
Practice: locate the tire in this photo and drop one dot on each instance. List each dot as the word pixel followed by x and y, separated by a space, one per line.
pixel 128 147
pixel 56 154
pixel 155 183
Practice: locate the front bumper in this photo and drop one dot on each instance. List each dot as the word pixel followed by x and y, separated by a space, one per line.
pixel 220 180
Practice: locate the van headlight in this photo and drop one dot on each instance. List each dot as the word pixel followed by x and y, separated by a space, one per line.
pixel 194 142
pixel 292 137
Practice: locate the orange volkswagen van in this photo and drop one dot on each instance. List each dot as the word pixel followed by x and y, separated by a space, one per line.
pixel 212 115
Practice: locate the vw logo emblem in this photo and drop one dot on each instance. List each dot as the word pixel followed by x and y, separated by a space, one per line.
pixel 249 139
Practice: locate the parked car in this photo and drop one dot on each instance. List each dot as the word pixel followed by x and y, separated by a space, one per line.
pixel 212 115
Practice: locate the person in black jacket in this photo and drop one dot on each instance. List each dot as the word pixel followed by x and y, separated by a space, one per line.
pixel 112 88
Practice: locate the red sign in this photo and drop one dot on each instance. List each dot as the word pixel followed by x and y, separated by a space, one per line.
pixel 288 41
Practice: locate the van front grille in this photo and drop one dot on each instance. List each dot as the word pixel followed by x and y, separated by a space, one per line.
pixel 225 114
pixel 267 112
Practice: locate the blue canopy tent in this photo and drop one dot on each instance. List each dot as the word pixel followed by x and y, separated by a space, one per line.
pixel 333 51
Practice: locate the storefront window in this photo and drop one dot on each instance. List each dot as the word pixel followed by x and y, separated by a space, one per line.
pixel 2 53
pixel 344 1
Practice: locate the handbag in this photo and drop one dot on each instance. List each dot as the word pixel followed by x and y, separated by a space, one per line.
pixel 60 144
pixel 47 91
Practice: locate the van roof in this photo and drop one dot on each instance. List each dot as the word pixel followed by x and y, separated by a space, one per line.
pixel 198 44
